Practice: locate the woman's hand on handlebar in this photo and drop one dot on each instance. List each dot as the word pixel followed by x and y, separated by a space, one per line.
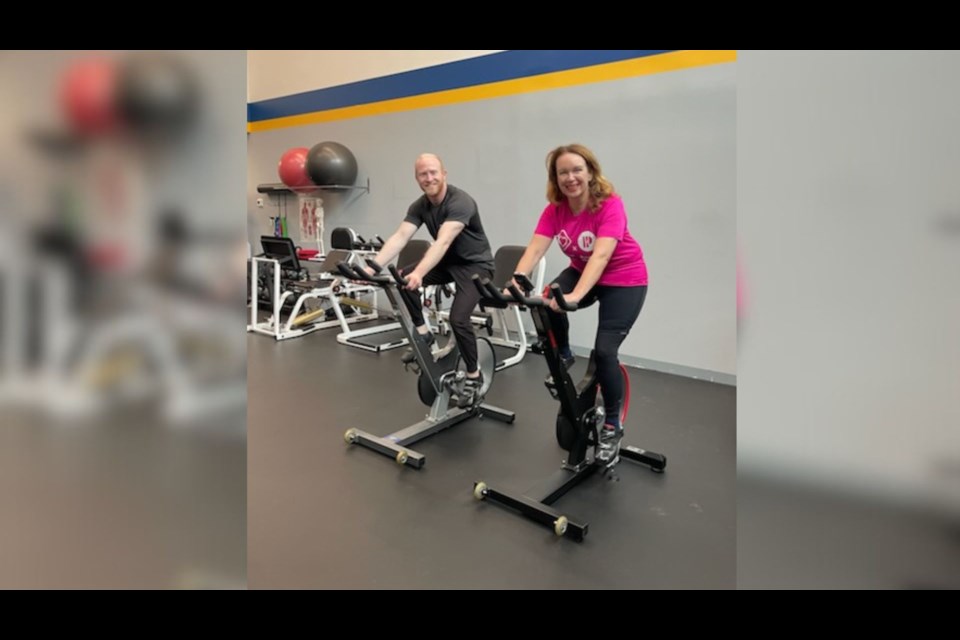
pixel 569 297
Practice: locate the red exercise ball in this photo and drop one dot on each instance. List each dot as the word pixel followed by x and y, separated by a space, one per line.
pixel 293 168
pixel 88 95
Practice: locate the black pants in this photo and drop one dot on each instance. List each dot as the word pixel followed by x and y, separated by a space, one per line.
pixel 464 302
pixel 619 309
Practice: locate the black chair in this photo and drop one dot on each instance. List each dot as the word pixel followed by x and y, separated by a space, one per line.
pixel 282 250
pixel 412 253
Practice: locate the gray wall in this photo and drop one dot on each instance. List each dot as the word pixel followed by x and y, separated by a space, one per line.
pixel 667 142
pixel 273 73
pixel 849 217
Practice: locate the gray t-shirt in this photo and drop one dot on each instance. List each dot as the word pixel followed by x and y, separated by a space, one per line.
pixel 471 245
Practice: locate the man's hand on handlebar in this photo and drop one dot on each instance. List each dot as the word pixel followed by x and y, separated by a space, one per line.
pixel 414 280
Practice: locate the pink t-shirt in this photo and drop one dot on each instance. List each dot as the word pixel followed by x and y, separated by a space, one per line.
pixel 577 235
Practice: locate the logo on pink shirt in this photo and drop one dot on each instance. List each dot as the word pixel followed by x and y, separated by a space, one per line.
pixel 586 241
pixel 563 240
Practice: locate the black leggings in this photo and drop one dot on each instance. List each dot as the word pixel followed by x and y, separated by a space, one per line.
pixel 619 309
pixel 464 302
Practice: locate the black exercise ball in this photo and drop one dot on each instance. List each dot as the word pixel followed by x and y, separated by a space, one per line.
pixel 158 94
pixel 331 163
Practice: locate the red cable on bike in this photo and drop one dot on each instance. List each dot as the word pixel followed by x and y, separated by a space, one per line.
pixel 626 395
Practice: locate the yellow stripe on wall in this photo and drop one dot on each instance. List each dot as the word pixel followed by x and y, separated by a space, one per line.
pixel 647 65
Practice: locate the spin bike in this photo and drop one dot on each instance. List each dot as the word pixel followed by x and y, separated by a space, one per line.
pixel 439 377
pixel 579 420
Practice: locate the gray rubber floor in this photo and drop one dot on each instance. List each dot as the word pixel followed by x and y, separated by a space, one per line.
pixel 323 514
pixel 122 500
pixel 800 537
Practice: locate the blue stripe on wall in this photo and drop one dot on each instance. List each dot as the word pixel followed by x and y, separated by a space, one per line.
pixel 495 67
